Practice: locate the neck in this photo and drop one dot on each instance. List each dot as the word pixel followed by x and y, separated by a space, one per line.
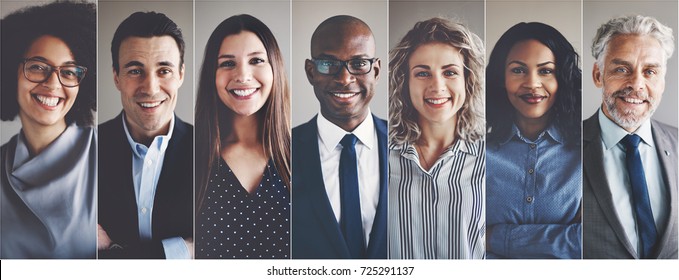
pixel 437 135
pixel 145 137
pixel 38 137
pixel 245 130
pixel 531 128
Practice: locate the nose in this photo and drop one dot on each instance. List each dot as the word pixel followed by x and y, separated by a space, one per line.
pixel 438 84
pixel 532 81
pixel 243 73
pixel 344 77
pixel 637 81
pixel 151 85
pixel 52 81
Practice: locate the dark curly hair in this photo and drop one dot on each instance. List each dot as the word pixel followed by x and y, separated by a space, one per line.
pixel 566 112
pixel 73 22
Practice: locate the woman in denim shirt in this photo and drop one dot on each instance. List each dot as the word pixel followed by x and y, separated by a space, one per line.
pixel 534 169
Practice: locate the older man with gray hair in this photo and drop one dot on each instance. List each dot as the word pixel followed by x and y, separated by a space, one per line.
pixel 630 160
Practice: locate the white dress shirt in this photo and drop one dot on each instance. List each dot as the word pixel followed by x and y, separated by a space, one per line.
pixel 147 164
pixel 616 174
pixel 367 153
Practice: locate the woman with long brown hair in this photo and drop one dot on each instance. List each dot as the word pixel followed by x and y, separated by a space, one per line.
pixel 242 145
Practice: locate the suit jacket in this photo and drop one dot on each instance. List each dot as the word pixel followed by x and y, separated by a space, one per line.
pixel 603 234
pixel 315 231
pixel 173 202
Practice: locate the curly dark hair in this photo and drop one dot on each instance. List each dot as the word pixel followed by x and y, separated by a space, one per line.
pixel 566 112
pixel 73 22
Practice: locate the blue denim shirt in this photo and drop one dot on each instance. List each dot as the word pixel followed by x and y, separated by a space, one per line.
pixel 534 193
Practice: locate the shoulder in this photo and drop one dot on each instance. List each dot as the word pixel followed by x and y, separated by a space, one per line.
pixel 11 144
pixel 305 129
pixel 664 130
pixel 111 126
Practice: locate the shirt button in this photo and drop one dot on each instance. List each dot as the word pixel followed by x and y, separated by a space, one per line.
pixel 143 210
pixel 531 171
pixel 529 199
pixel 532 146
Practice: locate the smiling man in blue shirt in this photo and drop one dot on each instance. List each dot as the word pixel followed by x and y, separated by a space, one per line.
pixel 146 154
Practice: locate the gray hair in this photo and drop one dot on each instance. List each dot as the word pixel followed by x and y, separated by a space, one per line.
pixel 631 25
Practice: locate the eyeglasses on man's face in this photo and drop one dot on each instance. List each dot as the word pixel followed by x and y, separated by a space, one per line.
pixel 357 66
pixel 38 71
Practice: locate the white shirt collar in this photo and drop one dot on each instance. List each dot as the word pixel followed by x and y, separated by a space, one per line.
pixel 160 140
pixel 612 133
pixel 331 134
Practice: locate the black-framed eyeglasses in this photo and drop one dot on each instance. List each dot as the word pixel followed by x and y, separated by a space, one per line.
pixel 38 71
pixel 356 66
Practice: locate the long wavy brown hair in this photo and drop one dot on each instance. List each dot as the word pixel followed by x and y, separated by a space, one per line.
pixel 212 116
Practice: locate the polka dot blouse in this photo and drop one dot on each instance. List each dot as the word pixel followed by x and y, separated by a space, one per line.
pixel 234 224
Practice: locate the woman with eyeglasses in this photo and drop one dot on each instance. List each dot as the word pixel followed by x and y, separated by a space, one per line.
pixel 436 154
pixel 48 179
pixel 243 145
pixel 534 169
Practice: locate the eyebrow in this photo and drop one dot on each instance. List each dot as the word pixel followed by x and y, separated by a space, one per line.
pixel 442 67
pixel 233 56
pixel 133 63
pixel 526 65
pixel 166 63
pixel 40 58
pixel 328 56
pixel 627 63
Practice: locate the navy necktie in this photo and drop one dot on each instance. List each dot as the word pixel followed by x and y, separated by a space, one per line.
pixel 351 223
pixel 641 202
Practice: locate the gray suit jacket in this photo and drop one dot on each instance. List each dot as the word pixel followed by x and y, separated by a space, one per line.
pixel 603 234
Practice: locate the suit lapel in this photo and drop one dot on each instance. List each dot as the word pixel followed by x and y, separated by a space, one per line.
pixel 317 194
pixel 668 162
pixel 594 165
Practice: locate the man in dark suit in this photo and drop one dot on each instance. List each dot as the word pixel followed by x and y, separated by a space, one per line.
pixel 630 160
pixel 340 156
pixel 146 152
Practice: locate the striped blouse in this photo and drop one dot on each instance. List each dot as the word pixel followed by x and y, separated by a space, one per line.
pixel 439 213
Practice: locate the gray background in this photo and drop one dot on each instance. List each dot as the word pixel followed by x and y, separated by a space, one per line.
pixel 598 12
pixel 9 129
pixel 111 14
pixel 564 15
pixel 306 16
pixel 403 15
pixel 274 13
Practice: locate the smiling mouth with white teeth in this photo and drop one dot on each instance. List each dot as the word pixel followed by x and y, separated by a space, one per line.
pixel 532 98
pixel 150 104
pixel 46 100
pixel 344 95
pixel 243 92
pixel 437 101
pixel 632 100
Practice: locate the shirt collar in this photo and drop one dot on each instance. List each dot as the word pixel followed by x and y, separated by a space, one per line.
pixel 612 133
pixel 332 134
pixel 159 142
pixel 408 150
pixel 551 132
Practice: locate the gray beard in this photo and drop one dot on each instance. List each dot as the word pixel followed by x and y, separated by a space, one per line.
pixel 628 119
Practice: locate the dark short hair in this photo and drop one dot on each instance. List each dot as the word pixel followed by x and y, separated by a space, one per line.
pixel 567 107
pixel 146 25
pixel 75 23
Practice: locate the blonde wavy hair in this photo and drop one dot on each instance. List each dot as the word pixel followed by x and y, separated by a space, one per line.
pixel 402 115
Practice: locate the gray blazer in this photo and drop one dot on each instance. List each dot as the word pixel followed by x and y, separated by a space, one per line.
pixel 603 234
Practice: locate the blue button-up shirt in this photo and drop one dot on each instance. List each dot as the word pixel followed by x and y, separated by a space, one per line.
pixel 147 164
pixel 534 193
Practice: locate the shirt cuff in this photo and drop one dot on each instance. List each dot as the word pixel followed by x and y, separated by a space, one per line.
pixel 175 248
pixel 499 242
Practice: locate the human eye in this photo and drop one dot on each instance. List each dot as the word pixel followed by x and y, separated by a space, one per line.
pixel 358 63
pixel 227 64
pixel 620 70
pixel 38 67
pixel 518 70
pixel 651 72
pixel 69 72
pixel 450 73
pixel 165 72
pixel 257 60
pixel 134 72
pixel 546 71
pixel 422 74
